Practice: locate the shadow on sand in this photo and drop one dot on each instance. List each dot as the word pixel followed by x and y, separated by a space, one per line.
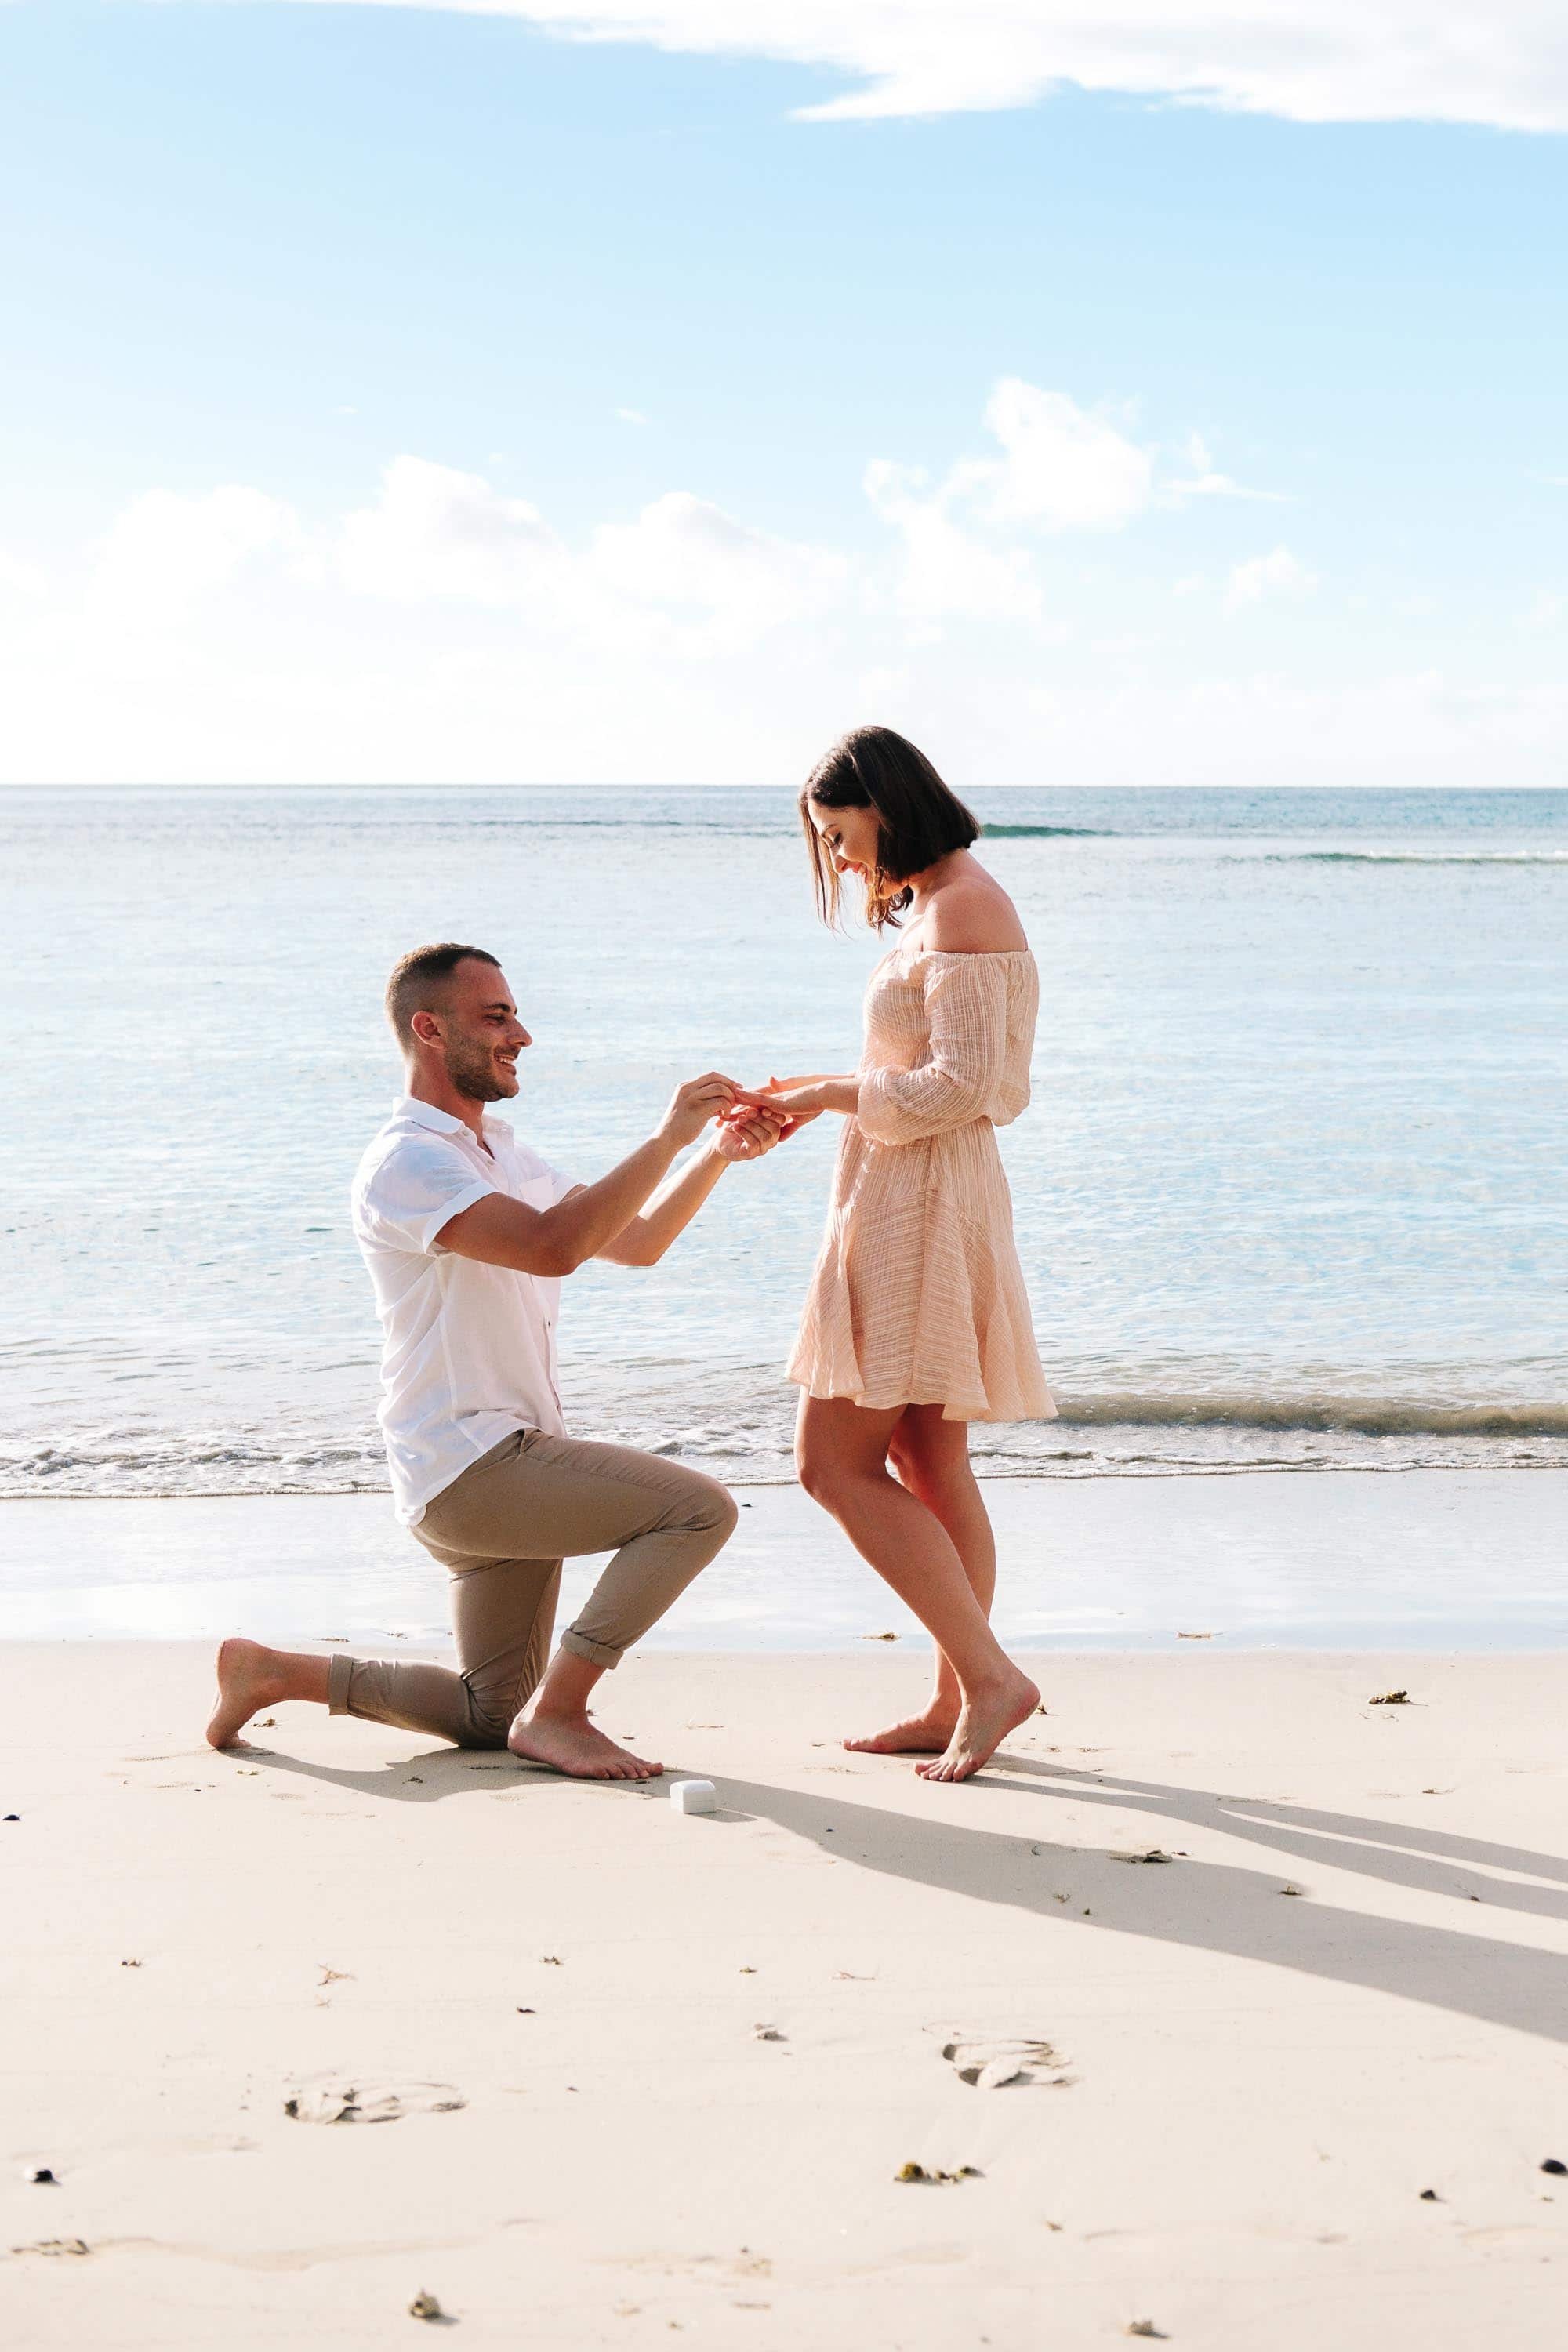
pixel 1203 1906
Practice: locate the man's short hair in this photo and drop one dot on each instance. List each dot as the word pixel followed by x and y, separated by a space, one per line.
pixel 418 982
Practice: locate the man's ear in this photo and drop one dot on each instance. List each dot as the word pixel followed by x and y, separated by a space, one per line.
pixel 427 1028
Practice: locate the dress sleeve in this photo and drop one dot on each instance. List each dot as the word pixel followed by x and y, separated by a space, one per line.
pixel 967 1008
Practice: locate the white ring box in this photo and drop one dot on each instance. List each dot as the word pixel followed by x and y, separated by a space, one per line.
pixel 693 1796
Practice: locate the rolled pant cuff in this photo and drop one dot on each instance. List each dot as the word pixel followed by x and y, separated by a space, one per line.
pixel 598 1654
pixel 340 1681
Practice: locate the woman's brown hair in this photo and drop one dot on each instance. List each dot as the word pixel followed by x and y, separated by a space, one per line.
pixel 917 819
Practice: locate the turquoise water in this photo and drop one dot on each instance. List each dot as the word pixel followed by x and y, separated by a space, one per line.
pixel 1291 1191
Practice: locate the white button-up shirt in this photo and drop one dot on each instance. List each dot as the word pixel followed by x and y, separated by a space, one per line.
pixel 469 1351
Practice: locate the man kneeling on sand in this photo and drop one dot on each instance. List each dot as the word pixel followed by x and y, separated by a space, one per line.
pixel 466 1232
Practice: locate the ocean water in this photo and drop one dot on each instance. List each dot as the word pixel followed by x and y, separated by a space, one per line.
pixel 1291 1194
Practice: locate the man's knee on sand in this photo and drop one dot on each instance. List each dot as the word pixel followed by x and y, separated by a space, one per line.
pixel 488 1731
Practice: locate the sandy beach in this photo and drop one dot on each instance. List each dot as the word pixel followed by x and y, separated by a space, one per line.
pixel 605 2075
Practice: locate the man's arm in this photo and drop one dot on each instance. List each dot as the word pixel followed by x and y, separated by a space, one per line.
pixel 643 1239
pixel 500 1231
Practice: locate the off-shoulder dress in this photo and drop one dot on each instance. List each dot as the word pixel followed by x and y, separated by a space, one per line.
pixel 917 1297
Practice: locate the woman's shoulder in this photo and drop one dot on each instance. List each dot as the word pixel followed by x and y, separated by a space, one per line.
pixel 973 916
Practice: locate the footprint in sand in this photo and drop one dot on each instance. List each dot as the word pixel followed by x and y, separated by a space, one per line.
pixel 347 2099
pixel 993 2064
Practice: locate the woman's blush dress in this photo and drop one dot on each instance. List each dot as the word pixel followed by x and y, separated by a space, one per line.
pixel 917 1297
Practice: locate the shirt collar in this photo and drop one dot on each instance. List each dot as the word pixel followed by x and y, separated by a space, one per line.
pixel 424 1114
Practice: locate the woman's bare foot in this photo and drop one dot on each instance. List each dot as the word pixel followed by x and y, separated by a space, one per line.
pixel 920 1735
pixel 989 1714
pixel 249 1676
pixel 570 1744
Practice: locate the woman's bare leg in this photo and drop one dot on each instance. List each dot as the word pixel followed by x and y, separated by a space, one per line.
pixel 842 1455
pixel 931 1457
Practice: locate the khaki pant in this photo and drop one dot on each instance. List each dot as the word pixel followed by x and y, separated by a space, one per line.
pixel 502 1528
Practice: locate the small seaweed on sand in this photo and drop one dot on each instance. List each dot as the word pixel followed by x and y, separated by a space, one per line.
pixel 1390 1698
pixel 1145 2328
pixel 425 2307
pixel 917 2172
pixel 1155 1853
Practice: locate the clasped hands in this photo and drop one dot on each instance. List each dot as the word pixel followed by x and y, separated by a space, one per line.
pixel 749 1120
pixel 761 1116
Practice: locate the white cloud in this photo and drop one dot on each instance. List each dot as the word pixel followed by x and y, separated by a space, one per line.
pixel 689 559
pixel 442 630
pixel 1334 61
pixel 1278 573
pixel 166 550
pixel 20 581
pixel 1203 482
pixel 438 533
pixel 1059 468
pixel 631 416
pixel 1063 467
pixel 947 571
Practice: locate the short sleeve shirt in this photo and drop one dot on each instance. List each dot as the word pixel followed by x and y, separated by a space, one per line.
pixel 468 1351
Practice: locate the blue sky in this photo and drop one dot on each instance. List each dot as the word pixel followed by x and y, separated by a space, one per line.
pixel 418 395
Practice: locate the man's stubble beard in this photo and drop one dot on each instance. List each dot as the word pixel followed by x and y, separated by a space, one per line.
pixel 473 1073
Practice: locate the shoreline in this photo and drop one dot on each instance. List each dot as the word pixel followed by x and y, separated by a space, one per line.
pixel 1427 1561
pixel 640 2074
pixel 1032 1477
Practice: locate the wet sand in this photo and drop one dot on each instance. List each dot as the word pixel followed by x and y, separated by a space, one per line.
pixel 647 2079
pixel 1459 1559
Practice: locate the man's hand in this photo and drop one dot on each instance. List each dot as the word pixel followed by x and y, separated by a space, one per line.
pixel 693 1104
pixel 745 1133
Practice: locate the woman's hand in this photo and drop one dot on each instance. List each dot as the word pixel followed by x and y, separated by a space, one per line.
pixel 805 1099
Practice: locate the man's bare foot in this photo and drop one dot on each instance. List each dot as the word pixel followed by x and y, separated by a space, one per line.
pixel 988 1716
pixel 249 1676
pixel 571 1745
pixel 921 1735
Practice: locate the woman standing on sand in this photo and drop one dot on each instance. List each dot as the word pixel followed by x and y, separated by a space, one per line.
pixel 917 1321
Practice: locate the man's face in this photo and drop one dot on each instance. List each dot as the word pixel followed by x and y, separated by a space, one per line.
pixel 480 1033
